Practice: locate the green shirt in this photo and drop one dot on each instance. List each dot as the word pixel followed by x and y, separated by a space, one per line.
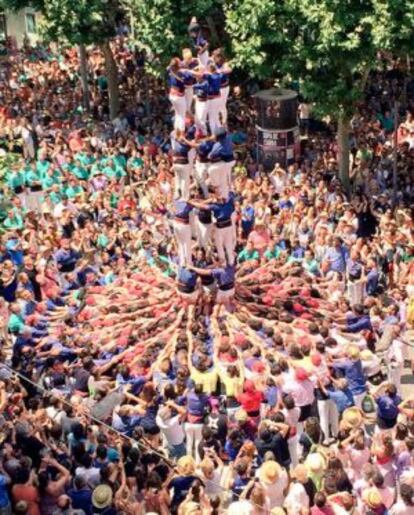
pixel 80 173
pixel 72 191
pixel 15 324
pixel 32 177
pixel 42 167
pixel 272 254
pixel 15 222
pixel 248 255
pixel 15 179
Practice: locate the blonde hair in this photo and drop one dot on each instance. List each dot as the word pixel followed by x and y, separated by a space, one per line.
pixel 186 465
pixel 187 53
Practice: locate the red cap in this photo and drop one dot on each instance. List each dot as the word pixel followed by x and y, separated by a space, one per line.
pixel 301 374
pixel 316 359
pixel 258 367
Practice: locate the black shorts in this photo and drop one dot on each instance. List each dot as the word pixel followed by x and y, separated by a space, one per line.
pixel 305 412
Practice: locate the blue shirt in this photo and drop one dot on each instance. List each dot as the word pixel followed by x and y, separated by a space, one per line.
pixel 214 83
pixel 177 80
pixel 337 258
pixel 222 150
pixel 354 375
pixel 387 407
pixel 222 211
pixel 182 209
pixel 372 282
pixel 81 500
pixel 354 324
pixel 201 89
pixel 4 496
pixel 204 149
pixel 187 277
pixel 179 147
pixel 224 276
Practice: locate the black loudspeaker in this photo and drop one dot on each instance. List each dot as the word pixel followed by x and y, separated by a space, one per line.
pixel 276 109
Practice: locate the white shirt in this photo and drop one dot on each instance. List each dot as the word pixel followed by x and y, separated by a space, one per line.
pixel 172 429
pixel 297 499
pixel 301 391
pixel 274 491
pixel 400 508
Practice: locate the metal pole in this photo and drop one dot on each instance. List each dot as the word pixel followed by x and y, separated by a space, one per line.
pixel 395 154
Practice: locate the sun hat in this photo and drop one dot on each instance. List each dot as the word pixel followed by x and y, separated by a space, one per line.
pixel 366 355
pixel 241 415
pixel 270 471
pixel 102 496
pixel 372 498
pixel 315 462
pixel 353 352
pixel 352 418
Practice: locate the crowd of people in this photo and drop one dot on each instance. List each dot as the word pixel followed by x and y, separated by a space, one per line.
pixel 183 331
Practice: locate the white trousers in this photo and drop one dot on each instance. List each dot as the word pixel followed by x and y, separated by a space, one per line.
pixel 200 115
pixel 223 104
pixel 224 242
pixel 214 114
pixel 182 234
pixel 219 177
pixel 189 95
pixel 204 234
pixel 328 414
pixel 182 179
pixel 394 375
pixel 179 105
pixel 293 444
pixel 223 297
pixel 204 57
pixel 193 438
pixel 201 176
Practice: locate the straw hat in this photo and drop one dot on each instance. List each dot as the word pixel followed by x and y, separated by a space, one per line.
pixel 353 352
pixel 352 418
pixel 315 462
pixel 270 472
pixel 372 498
pixel 367 355
pixel 102 496
pixel 241 415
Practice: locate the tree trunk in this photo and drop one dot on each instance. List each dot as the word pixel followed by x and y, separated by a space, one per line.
pixel 111 71
pixel 343 151
pixel 83 68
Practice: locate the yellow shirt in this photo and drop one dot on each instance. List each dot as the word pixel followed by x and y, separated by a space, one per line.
pixel 208 380
pixel 232 385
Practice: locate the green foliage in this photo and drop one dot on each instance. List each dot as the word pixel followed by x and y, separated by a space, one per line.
pixel 161 25
pixel 328 45
pixel 79 21
pixel 76 21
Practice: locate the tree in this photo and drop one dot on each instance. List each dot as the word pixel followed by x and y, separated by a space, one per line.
pixel 80 22
pixel 160 26
pixel 330 46
pixel 86 22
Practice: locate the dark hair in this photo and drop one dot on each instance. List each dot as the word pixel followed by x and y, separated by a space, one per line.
pixel 320 499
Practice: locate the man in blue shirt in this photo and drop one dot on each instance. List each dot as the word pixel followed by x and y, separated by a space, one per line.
pixel 336 256
pixel 351 368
